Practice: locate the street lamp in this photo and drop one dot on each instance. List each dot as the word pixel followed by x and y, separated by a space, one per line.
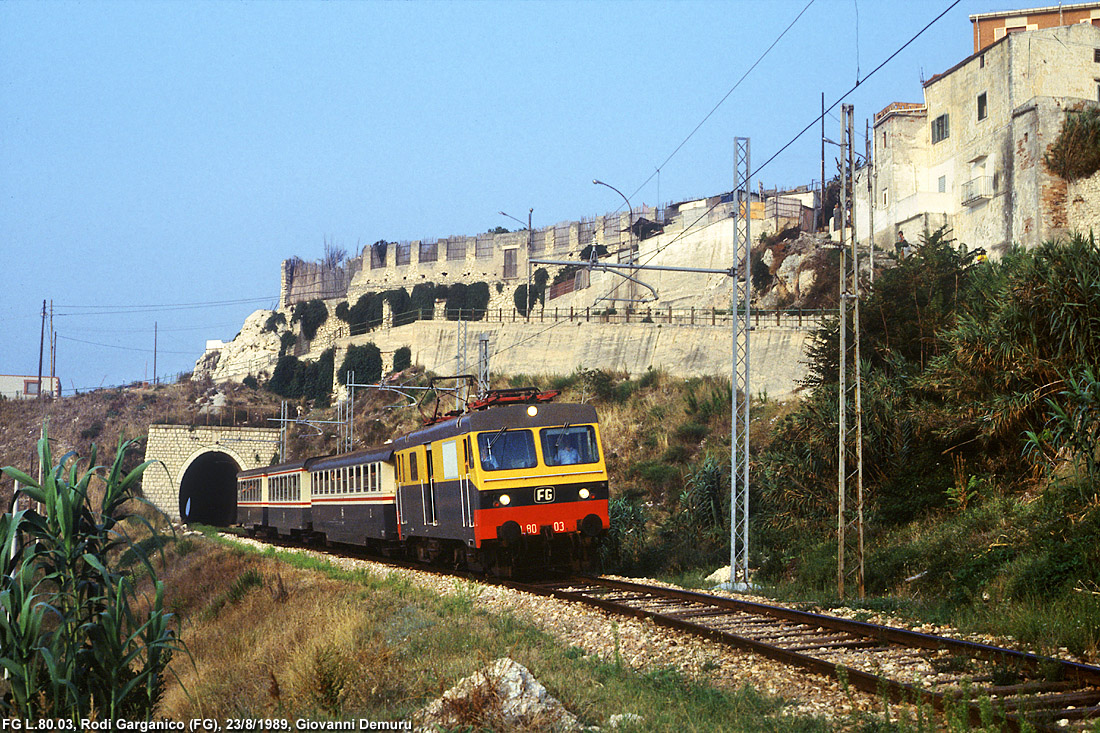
pixel 630 230
pixel 528 227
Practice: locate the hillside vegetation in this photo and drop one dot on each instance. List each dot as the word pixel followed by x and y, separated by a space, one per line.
pixel 981 399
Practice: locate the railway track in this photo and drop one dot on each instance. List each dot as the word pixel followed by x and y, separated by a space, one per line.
pixel 1014 689
pixel 1007 686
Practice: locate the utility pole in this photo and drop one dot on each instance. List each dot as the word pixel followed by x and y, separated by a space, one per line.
pixel 53 349
pixel 154 353
pixel 849 439
pixel 822 216
pixel 870 195
pixel 41 347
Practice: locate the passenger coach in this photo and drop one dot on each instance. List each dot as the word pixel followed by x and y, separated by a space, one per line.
pixel 523 483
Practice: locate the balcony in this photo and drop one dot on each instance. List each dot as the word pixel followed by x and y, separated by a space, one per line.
pixel 977 190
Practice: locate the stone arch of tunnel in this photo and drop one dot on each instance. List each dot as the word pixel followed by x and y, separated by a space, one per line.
pixel 208 489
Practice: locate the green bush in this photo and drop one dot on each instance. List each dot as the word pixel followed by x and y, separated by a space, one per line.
pixel 274 321
pixel 1076 151
pixel 761 274
pixel 625 546
pixel 402 359
pixel 365 361
pixel 422 300
pixel 287 342
pixel 656 474
pixel 692 432
pixel 401 309
pixel 525 301
pixel 715 398
pixel 77 642
pixel 470 301
pixel 312 315
pixel 366 314
pixel 311 380
pixel 676 454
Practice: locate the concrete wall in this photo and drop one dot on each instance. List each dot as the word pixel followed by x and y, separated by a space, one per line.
pixel 776 365
pixel 177 447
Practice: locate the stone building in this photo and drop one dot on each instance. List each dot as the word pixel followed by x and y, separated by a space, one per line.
pixel 971 154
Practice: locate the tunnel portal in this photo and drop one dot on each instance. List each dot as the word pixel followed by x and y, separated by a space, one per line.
pixel 208 490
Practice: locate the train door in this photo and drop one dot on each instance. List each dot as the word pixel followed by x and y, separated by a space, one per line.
pixel 428 487
pixel 402 477
pixel 467 463
pixel 456 470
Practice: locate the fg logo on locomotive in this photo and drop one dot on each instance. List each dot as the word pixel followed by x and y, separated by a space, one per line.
pixel 544 494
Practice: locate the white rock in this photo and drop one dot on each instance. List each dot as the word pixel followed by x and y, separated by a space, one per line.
pixel 721 575
pixel 503 696
pixel 632 719
pixel 252 352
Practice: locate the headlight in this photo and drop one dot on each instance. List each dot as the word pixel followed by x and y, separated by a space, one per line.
pixel 505 500
pixel 532 411
pixel 584 493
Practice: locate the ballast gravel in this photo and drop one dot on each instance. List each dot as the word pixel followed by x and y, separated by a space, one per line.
pixel 640 644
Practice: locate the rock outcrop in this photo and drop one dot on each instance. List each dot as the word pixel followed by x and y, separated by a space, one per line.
pixel 255 351
pixel 505 696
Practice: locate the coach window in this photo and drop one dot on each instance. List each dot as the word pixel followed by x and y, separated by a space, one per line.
pixel 569 445
pixel 506 450
pixel 413 472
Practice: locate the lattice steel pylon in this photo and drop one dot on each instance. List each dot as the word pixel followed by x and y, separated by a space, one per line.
pixel 462 389
pixel 742 292
pixel 849 394
pixel 482 364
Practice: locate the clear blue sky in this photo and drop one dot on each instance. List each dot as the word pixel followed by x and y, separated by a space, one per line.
pixel 154 154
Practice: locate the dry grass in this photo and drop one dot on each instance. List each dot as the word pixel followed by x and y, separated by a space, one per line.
pixel 312 641
pixel 296 642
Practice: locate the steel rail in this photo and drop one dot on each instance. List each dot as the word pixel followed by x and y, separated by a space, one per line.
pixel 1070 701
pixel 1044 702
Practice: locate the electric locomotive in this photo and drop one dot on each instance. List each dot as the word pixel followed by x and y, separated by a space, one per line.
pixel 517 481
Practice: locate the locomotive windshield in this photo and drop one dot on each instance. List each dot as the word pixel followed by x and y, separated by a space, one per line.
pixel 506 450
pixel 569 445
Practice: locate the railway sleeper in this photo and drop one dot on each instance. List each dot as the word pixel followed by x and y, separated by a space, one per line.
pixel 1086 698
pixel 837 645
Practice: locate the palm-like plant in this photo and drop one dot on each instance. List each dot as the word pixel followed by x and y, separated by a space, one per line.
pixel 73 644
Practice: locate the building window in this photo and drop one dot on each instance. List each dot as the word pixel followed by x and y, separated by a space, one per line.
pixel 884 138
pixel 941 185
pixel 940 128
pixel 981 61
pixel 982 110
pixel 885 197
pixel 1096 55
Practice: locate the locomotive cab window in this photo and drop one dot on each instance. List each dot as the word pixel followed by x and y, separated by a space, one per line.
pixel 569 445
pixel 506 450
